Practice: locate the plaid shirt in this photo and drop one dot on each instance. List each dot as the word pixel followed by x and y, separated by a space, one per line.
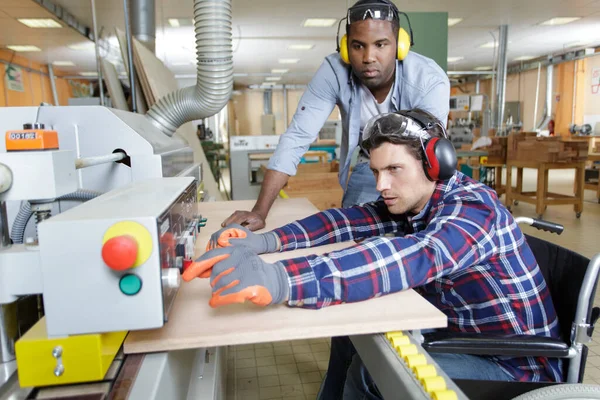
pixel 463 252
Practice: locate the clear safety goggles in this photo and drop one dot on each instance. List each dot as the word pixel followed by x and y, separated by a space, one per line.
pixel 393 124
pixel 378 11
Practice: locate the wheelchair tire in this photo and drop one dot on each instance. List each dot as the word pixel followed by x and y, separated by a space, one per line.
pixel 563 392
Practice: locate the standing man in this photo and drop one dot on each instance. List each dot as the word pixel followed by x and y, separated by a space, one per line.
pixel 372 73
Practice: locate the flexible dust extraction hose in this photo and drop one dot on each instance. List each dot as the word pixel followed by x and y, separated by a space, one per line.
pixel 17 231
pixel 215 71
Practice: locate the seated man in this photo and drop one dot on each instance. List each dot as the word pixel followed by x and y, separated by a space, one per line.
pixel 434 230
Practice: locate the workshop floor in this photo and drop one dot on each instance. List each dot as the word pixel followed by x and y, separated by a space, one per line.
pixel 294 370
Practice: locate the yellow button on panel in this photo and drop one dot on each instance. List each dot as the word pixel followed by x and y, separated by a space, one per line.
pixel 433 384
pixel 138 232
pixel 406 350
pixel 424 371
pixel 399 341
pixel 444 395
pixel 413 360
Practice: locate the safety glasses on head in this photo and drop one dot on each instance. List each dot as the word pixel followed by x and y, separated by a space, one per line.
pixel 439 156
pixel 379 11
pixel 394 124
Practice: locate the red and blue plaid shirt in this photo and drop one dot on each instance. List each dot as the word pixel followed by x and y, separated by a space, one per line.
pixel 463 252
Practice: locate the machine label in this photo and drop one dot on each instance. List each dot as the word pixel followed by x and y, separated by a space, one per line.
pixel 23 136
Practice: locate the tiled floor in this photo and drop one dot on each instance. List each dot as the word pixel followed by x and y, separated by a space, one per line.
pixel 294 370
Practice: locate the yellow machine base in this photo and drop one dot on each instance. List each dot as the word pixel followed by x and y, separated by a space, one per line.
pixel 43 361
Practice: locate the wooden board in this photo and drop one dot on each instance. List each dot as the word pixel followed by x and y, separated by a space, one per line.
pixel 113 84
pixel 193 324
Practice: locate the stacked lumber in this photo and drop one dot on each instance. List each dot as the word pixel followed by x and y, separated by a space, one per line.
pixel 497 150
pixel 318 182
pixel 525 146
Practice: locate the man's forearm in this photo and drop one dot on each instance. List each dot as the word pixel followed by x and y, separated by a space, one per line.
pixel 274 181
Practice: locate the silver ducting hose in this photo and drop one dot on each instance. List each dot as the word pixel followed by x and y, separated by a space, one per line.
pixel 215 71
pixel 17 231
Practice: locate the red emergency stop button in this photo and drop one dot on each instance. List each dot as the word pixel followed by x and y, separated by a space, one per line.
pixel 120 252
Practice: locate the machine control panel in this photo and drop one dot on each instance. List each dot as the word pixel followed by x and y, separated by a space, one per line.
pixel 114 263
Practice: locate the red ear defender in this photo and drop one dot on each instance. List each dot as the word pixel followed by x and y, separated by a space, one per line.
pixel 430 163
pixel 440 159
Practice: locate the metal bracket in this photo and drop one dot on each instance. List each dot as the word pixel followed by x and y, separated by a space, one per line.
pixel 580 333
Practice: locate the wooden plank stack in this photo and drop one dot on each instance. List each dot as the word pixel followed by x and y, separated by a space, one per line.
pixel 525 146
pixel 497 150
pixel 319 183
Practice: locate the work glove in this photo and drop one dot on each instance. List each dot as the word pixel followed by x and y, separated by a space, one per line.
pixel 237 235
pixel 243 275
pixel 202 266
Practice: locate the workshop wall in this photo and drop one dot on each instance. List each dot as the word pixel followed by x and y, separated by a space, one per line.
pixel 248 107
pixel 591 87
pixel 36 87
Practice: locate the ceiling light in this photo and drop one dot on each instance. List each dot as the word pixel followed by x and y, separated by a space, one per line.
pixel 455 59
pixel 63 63
pixel 489 45
pixel 279 71
pixel 524 58
pixel 273 78
pixel 453 21
pixel 267 84
pixel 179 22
pixel 288 60
pixel 88 73
pixel 39 22
pixel 20 48
pixel 300 46
pixel 560 20
pixel 319 22
pixel 82 46
pixel 483 68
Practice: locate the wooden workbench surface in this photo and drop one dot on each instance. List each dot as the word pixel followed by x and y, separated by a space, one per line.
pixel 193 324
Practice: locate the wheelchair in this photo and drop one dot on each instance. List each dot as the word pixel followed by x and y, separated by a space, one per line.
pixel 572 280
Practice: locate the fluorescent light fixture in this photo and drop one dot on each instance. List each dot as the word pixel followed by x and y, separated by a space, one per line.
pixel 489 45
pixel 174 22
pixel 453 21
pixel 455 59
pixel 267 84
pixel 273 78
pixel 300 46
pixel 483 68
pixel 82 46
pixel 63 63
pixel 288 60
pixel 22 48
pixel 524 58
pixel 279 71
pixel 88 73
pixel 319 22
pixel 560 21
pixel 39 22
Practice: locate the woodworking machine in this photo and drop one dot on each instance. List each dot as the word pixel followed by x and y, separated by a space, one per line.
pixel 101 211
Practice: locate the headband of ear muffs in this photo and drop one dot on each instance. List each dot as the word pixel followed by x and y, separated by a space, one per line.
pixel 439 161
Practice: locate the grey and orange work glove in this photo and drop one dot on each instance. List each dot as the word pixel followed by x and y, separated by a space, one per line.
pixel 239 275
pixel 237 235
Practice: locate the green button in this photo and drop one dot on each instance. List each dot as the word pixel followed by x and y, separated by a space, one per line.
pixel 130 284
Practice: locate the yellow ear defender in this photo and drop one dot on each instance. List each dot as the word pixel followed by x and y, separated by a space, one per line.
pixel 403 46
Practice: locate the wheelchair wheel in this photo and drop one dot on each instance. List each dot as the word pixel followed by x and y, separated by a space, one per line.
pixel 563 392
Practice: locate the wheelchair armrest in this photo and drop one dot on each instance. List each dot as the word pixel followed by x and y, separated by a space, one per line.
pixel 495 345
